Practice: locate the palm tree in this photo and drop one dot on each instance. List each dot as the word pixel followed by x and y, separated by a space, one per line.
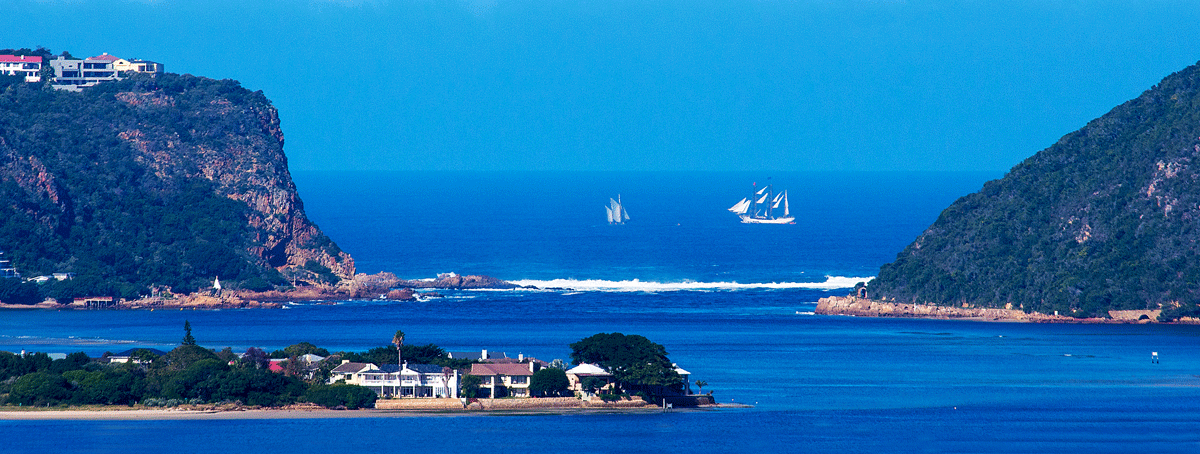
pixel 701 384
pixel 398 339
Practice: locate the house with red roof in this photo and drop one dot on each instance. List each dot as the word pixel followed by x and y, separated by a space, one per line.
pixel 27 66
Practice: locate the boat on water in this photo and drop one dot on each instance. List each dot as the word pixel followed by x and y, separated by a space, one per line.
pixel 760 207
pixel 616 211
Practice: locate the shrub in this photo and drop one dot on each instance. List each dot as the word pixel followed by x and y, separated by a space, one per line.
pixel 352 397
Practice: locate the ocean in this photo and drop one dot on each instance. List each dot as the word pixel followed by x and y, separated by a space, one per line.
pixel 732 303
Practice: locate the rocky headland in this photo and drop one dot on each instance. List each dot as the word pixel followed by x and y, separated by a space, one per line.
pixel 1101 221
pixel 863 307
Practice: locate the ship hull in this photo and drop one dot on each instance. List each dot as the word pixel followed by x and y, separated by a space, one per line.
pixel 750 220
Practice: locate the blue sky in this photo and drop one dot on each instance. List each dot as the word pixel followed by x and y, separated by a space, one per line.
pixel 761 85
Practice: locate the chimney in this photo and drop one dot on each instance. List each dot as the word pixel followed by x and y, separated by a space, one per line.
pixel 484 355
pixel 520 357
pixel 344 361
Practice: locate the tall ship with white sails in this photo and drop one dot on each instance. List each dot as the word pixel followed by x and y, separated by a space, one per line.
pixel 760 207
pixel 616 211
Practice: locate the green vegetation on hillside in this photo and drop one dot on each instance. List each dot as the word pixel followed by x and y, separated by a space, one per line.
pixel 77 196
pixel 1104 219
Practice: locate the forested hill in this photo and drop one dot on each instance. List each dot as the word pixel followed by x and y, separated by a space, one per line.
pixel 153 180
pixel 1107 218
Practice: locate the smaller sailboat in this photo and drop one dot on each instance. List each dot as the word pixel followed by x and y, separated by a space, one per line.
pixel 616 211
pixel 760 207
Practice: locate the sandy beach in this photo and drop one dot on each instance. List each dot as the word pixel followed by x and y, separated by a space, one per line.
pixel 150 415
pixel 162 415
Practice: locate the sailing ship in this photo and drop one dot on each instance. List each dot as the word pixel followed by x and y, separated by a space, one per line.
pixel 616 211
pixel 760 207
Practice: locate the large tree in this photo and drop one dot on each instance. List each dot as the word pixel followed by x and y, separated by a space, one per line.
pixel 549 382
pixel 633 360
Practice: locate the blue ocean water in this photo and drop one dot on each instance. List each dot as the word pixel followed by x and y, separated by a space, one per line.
pixel 732 304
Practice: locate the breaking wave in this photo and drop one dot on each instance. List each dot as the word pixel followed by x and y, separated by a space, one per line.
pixel 635 285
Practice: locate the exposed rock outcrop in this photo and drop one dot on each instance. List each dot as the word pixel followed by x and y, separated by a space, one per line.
pixel 155 180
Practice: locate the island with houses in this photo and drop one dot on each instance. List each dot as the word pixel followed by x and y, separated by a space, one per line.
pixel 606 371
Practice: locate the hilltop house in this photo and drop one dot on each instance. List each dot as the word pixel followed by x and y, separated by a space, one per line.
pixel 407 380
pixel 128 356
pixel 28 66
pixel 7 271
pixel 74 75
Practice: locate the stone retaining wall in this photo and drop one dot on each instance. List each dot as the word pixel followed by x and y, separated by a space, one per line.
pixel 503 404
pixel 419 404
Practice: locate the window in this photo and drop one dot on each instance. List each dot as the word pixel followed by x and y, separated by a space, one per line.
pixel 519 380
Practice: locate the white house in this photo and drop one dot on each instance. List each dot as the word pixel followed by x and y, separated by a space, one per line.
pixel 576 375
pixel 28 66
pixel 410 380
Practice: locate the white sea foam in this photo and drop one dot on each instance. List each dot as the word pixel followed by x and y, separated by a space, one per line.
pixel 635 285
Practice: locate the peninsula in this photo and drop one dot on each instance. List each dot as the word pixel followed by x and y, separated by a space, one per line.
pixel 132 187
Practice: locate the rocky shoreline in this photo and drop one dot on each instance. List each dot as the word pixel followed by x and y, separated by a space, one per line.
pixel 863 307
pixel 384 286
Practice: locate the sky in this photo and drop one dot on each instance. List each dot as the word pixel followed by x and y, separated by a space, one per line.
pixel 620 85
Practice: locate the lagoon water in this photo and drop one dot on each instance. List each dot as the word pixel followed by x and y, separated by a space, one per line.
pixel 732 304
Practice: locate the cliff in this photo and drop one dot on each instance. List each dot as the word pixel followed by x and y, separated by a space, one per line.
pixel 1105 219
pixel 153 180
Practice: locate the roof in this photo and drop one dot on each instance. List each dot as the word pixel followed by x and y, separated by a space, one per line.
pixel 587 369
pixel 528 359
pixel 477 356
pixel 425 368
pixel 352 367
pixel 104 57
pixel 680 371
pixel 418 368
pixel 500 369
pixel 311 358
pixel 20 59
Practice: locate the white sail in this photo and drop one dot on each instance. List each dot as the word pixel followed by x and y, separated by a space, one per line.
pixel 777 198
pixel 760 191
pixel 740 207
pixel 616 211
pixel 763 199
pixel 786 212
